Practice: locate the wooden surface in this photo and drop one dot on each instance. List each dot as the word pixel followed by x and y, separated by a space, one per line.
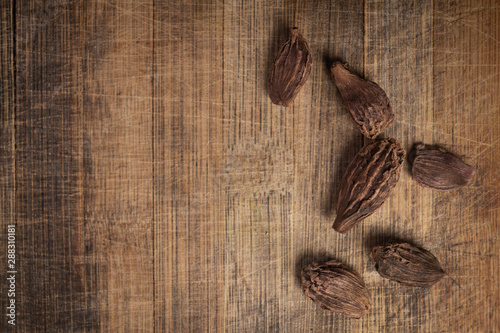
pixel 154 186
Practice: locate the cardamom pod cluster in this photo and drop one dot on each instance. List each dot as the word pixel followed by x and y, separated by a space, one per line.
pixel 366 102
pixel 291 69
pixel 369 179
pixel 435 168
pixel 337 288
pixel 407 264
pixel 367 182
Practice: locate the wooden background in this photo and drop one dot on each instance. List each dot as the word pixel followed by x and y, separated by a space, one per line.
pixel 156 188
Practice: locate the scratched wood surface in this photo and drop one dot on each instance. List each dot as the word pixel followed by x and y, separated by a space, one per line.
pixel 155 187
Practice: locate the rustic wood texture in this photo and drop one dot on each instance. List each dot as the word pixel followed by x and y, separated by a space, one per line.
pixel 155 187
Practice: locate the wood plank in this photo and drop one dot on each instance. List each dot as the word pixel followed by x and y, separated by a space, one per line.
pixel 325 141
pixel 118 161
pixel 466 121
pixel 83 165
pixel 47 170
pixel 282 163
pixel 7 150
pixel 189 232
pixel 398 56
pixel 418 52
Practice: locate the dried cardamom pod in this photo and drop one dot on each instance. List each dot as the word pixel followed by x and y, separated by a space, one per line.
pixel 436 168
pixel 407 264
pixel 366 102
pixel 291 69
pixel 369 179
pixel 336 288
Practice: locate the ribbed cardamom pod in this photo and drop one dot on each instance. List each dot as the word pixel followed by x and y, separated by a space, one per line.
pixel 291 69
pixel 337 288
pixel 366 184
pixel 438 169
pixel 366 102
pixel 407 264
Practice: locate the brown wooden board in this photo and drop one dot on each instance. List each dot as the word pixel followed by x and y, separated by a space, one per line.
pixel 155 187
pixel 7 149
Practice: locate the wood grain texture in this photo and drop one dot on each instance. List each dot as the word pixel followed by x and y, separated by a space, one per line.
pixel 155 187
pixel 398 56
pixel 47 156
pixel 466 104
pixel 83 165
pixel 189 228
pixel 7 151
pixel 117 162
